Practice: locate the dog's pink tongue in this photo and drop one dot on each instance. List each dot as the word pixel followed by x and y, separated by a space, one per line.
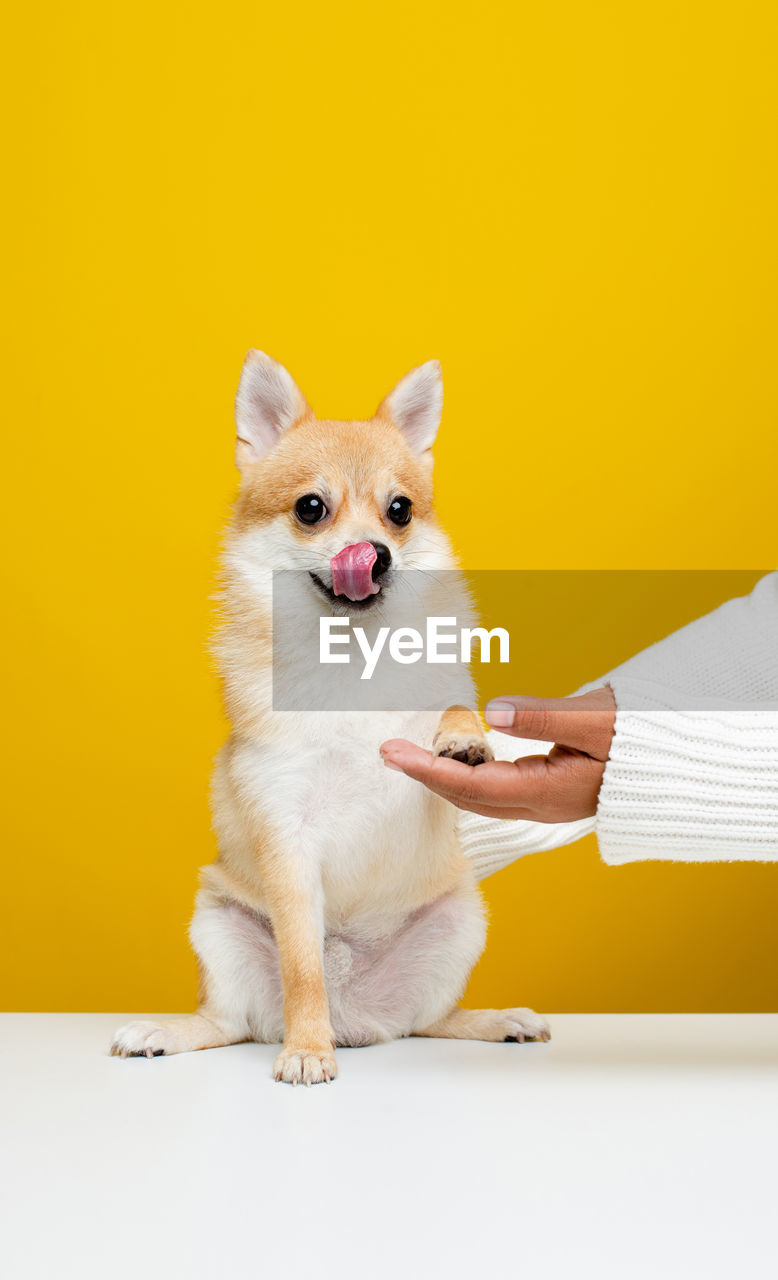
pixel 352 571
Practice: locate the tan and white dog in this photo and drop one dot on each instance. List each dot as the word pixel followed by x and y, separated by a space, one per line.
pixel 341 910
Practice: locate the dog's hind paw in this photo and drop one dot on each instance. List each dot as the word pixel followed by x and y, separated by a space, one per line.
pixel 178 1035
pixel 524 1024
pixel 143 1040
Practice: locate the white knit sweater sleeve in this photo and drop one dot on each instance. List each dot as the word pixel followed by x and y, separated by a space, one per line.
pixel 693 768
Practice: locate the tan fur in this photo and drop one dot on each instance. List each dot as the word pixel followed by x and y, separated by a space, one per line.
pixel 370 455
pixel 489 1024
pixel 308 1033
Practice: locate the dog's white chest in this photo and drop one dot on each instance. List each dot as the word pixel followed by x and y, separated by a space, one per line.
pixel 323 786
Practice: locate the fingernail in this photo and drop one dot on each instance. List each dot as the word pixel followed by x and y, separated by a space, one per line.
pixel 391 765
pixel 500 714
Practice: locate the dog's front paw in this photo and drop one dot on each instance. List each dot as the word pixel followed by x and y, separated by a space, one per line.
pixel 305 1066
pixel 468 748
pixel 144 1040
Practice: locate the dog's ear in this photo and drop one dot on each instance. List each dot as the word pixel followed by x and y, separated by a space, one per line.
pixel 268 402
pixel 415 405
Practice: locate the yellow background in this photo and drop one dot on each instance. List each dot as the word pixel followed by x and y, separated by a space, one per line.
pixel 573 206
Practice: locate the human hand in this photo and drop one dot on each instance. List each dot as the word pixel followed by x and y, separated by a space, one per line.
pixel 560 787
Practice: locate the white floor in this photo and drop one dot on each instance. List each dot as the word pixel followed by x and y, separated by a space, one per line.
pixel 629 1146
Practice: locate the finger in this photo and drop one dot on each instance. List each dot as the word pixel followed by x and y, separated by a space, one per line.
pixel 499 784
pixel 584 722
pixel 560 787
pixel 444 776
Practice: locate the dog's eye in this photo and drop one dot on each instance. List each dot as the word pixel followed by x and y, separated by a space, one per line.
pixel 400 511
pixel 310 509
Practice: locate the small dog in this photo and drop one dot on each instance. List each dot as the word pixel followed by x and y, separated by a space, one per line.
pixel 341 910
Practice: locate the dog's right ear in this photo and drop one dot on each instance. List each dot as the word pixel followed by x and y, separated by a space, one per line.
pixel 415 405
pixel 268 402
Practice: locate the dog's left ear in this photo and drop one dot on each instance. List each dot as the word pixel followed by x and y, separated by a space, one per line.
pixel 268 403
pixel 415 405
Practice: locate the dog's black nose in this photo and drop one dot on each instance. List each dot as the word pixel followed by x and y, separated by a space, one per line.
pixel 383 560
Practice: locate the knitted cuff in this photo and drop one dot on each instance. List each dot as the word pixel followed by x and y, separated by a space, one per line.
pixel 494 843
pixel 696 785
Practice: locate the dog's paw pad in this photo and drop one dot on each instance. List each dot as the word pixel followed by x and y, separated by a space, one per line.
pixel 469 750
pixel 305 1066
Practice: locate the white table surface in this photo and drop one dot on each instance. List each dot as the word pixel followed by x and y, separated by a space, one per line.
pixel 630 1146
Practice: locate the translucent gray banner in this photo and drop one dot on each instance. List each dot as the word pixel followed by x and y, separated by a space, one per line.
pixel 428 639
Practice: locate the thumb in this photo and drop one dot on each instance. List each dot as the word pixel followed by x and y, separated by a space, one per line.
pixel 584 723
